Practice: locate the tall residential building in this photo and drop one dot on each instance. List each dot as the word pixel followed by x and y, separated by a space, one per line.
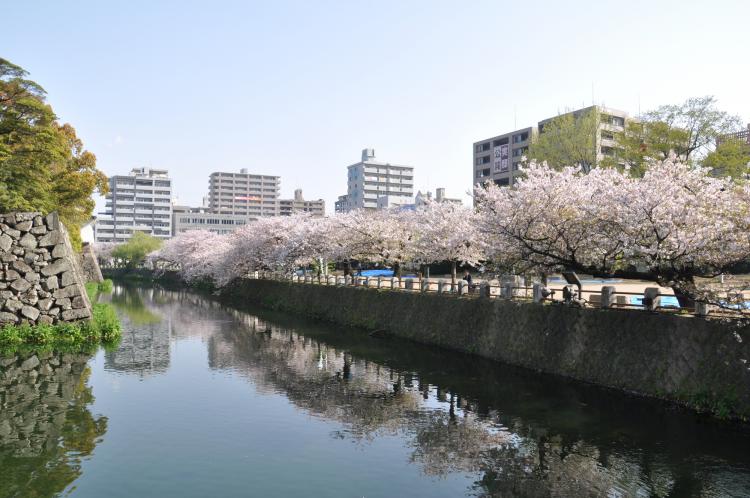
pixel 287 207
pixel 370 179
pixel 140 201
pixel 244 194
pixel 498 158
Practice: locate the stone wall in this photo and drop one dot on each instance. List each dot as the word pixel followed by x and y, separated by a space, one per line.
pixel 704 363
pixel 40 278
pixel 89 264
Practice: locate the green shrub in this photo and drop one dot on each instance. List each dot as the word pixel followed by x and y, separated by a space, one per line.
pixel 106 285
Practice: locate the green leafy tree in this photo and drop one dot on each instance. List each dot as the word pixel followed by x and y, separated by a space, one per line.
pixel 689 130
pixel 731 158
pixel 568 140
pixel 43 164
pixel 134 251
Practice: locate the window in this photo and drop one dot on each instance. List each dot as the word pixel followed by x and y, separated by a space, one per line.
pixel 482 160
pixel 503 182
pixel 500 141
pixel 521 137
pixel 607 135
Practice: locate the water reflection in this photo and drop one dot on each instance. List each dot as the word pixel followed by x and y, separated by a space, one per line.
pixel 144 348
pixel 46 428
pixel 520 433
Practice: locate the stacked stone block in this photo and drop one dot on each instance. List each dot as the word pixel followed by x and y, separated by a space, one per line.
pixel 40 279
pixel 90 265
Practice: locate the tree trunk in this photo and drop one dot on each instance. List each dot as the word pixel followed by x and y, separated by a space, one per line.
pixel 348 268
pixel 453 274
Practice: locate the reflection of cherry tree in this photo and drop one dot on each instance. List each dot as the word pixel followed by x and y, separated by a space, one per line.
pixel 373 400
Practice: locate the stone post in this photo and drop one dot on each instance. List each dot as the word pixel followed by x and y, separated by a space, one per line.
pixel 379 281
pixel 347 280
pixel 394 283
pixel 651 298
pixel 608 296
pixel 484 290
pixel 537 293
pixel 409 284
pixel 441 286
pixel 506 290
pixel 366 282
pixel 425 284
pixel 461 287
pixel 702 309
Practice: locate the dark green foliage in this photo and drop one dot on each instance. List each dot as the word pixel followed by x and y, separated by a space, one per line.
pixel 43 164
pixel 83 336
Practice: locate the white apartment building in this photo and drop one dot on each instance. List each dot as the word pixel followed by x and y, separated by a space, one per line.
pixel 244 194
pixel 138 202
pixel 370 179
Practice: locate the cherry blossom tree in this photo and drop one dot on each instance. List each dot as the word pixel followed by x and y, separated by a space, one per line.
pixel 386 237
pixel 674 225
pixel 196 254
pixel 447 232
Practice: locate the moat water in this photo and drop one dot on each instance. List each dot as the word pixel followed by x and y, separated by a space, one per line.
pixel 200 400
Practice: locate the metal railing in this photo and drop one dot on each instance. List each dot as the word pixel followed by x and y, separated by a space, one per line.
pixel 512 288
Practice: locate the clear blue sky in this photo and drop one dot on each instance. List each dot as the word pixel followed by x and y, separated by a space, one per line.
pixel 297 89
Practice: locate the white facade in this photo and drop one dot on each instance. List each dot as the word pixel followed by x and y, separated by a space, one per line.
pixel 369 180
pixel 244 194
pixel 138 202
pixel 186 218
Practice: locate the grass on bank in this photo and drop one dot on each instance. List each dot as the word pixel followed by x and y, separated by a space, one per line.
pixel 103 287
pixel 67 337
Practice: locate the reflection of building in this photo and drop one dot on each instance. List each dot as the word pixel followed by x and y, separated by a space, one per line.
pixel 144 348
pixel 497 159
pixel 370 179
pixel 287 207
pixel 243 194
pixel 138 202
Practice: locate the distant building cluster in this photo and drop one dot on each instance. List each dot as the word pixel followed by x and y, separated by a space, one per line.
pixel 142 202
